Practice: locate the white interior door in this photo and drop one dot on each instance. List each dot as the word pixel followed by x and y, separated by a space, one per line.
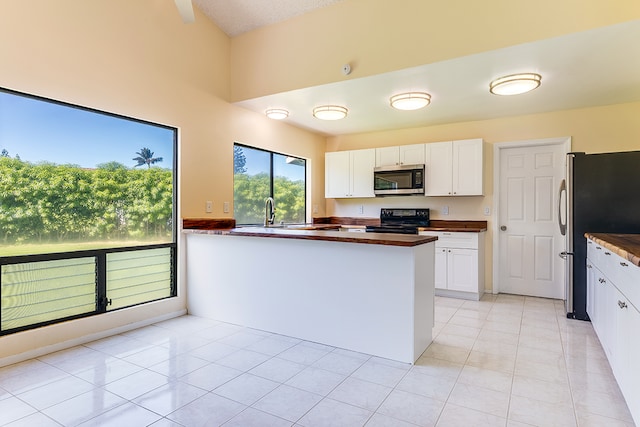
pixel 529 236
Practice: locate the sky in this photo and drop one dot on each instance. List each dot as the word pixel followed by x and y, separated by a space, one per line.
pixel 258 162
pixel 40 131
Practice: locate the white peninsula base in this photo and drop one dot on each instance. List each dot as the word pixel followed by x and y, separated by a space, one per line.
pixel 370 298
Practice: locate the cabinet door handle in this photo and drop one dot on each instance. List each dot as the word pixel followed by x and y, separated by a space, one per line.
pixel 622 304
pixel 589 266
pixel 607 253
pixel 598 248
pixel 624 264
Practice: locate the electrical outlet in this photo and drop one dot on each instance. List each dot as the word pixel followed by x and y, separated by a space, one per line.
pixel 208 206
pixel 360 209
pixel 315 209
pixel 445 210
pixel 487 210
pixel 225 207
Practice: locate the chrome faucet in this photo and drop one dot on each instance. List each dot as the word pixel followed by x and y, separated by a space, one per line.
pixel 269 211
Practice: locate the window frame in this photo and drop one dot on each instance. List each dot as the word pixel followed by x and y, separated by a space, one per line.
pixel 100 255
pixel 271 177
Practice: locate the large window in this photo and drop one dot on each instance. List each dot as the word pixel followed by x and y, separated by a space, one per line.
pixel 259 174
pixel 87 211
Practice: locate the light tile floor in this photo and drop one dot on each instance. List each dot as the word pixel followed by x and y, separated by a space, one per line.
pixel 503 361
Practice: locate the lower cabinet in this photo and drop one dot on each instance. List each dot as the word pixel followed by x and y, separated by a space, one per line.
pixel 616 318
pixel 459 264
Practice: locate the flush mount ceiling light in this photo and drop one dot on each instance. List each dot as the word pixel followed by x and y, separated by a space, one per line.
pixel 277 113
pixel 515 84
pixel 410 100
pixel 330 112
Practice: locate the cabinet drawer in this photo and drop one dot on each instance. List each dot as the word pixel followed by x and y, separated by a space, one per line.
pixel 622 273
pixel 626 277
pixel 595 253
pixel 463 240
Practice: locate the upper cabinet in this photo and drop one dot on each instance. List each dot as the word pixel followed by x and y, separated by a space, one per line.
pixel 454 168
pixel 402 155
pixel 349 173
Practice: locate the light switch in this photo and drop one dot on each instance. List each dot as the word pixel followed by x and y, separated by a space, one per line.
pixel 208 206
pixel 445 210
pixel 487 210
pixel 225 207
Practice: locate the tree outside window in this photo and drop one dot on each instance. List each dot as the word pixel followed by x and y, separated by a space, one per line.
pixel 259 174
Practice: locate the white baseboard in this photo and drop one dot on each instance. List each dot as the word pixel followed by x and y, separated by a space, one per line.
pixel 16 358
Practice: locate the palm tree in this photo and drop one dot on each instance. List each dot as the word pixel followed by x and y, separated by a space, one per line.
pixel 145 157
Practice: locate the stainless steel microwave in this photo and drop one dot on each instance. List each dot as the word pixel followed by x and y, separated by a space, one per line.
pixel 398 180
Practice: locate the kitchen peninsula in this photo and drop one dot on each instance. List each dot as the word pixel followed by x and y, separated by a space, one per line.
pixel 367 292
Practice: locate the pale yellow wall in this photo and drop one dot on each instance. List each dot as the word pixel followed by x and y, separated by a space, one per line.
pixel 592 130
pixel 138 59
pixel 377 36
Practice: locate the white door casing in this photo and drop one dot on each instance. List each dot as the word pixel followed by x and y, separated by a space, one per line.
pixel 527 238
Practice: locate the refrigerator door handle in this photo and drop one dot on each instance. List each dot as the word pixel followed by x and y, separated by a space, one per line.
pixel 563 226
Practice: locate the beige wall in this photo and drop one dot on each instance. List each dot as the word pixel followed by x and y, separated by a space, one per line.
pixel 377 36
pixel 592 130
pixel 138 59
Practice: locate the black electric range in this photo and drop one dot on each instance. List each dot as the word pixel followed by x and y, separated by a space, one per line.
pixel 401 221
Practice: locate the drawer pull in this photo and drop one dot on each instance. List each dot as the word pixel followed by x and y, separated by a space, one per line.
pixel 601 280
pixel 598 248
pixel 622 304
pixel 624 264
pixel 589 266
pixel 607 253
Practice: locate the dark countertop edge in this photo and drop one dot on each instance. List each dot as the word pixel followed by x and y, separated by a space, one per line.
pixel 448 226
pixel 208 223
pixel 336 236
pixel 454 229
pixel 217 231
pixel 626 246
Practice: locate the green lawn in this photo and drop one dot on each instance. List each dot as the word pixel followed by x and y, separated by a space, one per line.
pixel 47 248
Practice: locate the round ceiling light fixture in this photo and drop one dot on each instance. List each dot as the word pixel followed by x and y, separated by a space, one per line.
pixel 515 84
pixel 410 100
pixel 330 112
pixel 277 113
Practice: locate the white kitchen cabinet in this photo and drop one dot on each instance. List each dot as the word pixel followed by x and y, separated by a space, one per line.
pixel 459 264
pixel 454 168
pixel 612 305
pixel 439 169
pixel 349 173
pixel 401 155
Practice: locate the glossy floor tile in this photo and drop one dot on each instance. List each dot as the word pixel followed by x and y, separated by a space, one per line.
pixel 508 361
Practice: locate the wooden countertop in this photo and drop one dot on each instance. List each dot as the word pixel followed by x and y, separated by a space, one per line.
pixel 455 226
pixel 625 245
pixel 221 225
pixel 335 236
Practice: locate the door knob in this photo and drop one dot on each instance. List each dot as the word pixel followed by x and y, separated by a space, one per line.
pixel 503 228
